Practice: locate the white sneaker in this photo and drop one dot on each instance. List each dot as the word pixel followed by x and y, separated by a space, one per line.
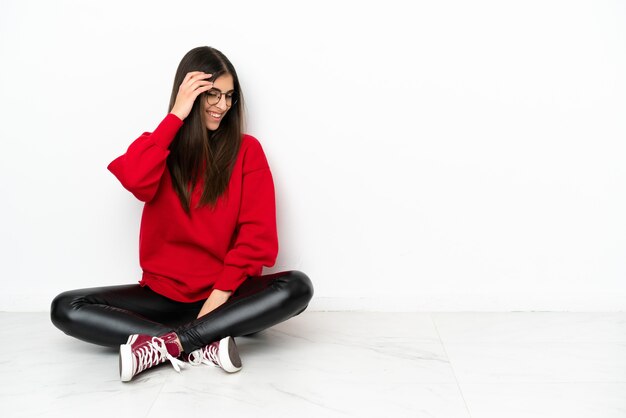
pixel 222 353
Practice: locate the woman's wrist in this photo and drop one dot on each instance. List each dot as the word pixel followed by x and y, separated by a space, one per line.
pixel 177 114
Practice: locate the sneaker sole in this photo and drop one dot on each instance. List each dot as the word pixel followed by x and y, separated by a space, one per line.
pixel 126 359
pixel 229 355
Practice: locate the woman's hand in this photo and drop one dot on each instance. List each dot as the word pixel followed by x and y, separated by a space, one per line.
pixel 193 84
pixel 216 298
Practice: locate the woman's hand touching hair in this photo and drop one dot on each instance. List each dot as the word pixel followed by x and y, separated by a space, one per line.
pixel 193 84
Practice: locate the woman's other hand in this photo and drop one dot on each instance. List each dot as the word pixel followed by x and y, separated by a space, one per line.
pixel 216 298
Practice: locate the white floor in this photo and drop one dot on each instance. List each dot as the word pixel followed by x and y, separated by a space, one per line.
pixel 340 364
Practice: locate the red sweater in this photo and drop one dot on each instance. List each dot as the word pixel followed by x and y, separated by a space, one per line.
pixel 185 258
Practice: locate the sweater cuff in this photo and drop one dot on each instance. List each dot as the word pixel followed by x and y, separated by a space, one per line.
pixel 231 279
pixel 165 133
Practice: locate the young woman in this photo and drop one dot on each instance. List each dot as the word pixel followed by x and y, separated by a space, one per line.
pixel 207 229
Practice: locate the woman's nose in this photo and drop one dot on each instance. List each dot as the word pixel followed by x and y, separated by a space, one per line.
pixel 222 102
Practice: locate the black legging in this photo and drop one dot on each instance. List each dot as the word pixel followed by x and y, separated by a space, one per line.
pixel 108 315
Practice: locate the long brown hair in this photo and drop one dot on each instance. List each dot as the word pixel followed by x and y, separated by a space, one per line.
pixel 195 147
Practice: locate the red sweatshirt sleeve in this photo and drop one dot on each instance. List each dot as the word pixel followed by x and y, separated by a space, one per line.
pixel 256 242
pixel 140 169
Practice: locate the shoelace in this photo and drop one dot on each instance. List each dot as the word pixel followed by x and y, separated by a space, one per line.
pixel 205 355
pixel 155 353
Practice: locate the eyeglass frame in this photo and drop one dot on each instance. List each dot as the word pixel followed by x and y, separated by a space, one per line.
pixel 233 93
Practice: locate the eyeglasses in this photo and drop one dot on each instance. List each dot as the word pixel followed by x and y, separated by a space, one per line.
pixel 214 96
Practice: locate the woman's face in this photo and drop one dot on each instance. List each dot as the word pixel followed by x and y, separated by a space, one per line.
pixel 214 113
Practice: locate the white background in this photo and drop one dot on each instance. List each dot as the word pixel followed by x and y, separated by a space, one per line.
pixel 427 155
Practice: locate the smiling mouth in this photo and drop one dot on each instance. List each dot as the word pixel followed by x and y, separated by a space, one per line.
pixel 215 115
